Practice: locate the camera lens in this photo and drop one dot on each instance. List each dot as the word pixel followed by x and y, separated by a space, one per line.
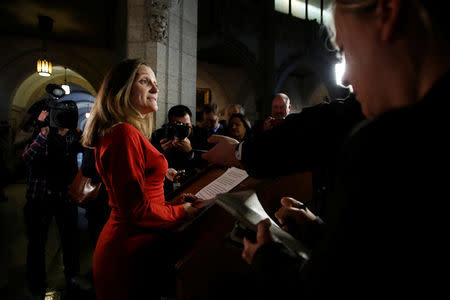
pixel 181 130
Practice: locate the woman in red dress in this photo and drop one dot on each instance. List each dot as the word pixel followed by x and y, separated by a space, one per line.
pixel 127 258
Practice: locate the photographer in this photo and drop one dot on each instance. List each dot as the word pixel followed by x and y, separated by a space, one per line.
pixel 176 141
pixel 51 159
pixel 281 107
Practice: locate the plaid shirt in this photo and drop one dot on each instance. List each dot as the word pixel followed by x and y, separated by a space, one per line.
pixel 37 183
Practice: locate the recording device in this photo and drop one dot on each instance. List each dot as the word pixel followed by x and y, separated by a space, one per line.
pixel 276 121
pixel 55 90
pixel 177 129
pixel 63 114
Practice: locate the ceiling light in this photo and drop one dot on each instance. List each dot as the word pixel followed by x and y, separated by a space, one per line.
pixel 44 67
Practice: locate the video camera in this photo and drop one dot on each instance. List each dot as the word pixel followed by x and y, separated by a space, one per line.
pixel 275 122
pixel 177 129
pixel 62 114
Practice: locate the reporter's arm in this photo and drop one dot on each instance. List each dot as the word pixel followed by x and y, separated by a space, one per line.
pixel 223 153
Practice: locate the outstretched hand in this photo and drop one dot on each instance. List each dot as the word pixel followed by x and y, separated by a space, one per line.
pixel 43 115
pixel 223 152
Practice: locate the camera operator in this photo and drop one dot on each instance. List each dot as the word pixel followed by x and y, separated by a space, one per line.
pixel 177 142
pixel 51 159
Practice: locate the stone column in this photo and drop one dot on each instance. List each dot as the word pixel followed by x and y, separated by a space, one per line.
pixel 164 33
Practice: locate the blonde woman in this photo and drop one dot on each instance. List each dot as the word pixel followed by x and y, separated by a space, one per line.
pixel 387 217
pixel 127 258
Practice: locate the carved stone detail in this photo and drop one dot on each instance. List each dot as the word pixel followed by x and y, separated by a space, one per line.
pixel 158 19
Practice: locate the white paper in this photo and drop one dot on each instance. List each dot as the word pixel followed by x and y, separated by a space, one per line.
pixel 223 184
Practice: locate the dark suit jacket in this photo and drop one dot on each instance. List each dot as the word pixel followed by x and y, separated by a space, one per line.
pixel 306 141
pixel 303 141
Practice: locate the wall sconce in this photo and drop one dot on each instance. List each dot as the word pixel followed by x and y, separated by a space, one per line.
pixel 44 67
pixel 65 86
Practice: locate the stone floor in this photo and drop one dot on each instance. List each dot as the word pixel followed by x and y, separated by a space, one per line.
pixel 13 252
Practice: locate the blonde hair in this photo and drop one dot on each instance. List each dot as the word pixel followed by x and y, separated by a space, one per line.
pixel 112 105
pixel 430 14
pixel 356 5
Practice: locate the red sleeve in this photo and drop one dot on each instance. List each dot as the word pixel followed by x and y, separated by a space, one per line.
pixel 124 166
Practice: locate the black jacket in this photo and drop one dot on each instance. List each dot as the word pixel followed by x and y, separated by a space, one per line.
pixel 62 165
pixel 179 159
pixel 303 141
pixel 307 141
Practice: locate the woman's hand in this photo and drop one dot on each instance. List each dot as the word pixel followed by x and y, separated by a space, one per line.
pixel 196 201
pixel 263 236
pixel 171 174
pixel 188 197
pixel 191 211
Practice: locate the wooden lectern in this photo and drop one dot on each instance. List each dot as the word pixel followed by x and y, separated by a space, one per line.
pixel 208 262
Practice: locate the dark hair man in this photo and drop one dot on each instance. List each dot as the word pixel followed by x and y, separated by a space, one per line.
pixel 176 141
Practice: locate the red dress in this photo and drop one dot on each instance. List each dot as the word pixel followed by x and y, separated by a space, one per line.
pixel 133 172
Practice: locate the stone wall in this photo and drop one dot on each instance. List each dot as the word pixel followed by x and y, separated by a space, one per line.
pixel 164 33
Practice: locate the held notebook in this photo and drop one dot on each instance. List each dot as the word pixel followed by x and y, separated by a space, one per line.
pixel 248 211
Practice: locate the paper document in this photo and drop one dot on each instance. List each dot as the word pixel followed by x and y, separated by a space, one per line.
pixel 228 180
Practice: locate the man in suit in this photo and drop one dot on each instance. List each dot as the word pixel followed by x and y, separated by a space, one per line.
pixel 210 125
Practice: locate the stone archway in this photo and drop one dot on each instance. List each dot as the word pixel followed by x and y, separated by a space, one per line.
pixel 20 86
pixel 32 89
pixel 17 70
